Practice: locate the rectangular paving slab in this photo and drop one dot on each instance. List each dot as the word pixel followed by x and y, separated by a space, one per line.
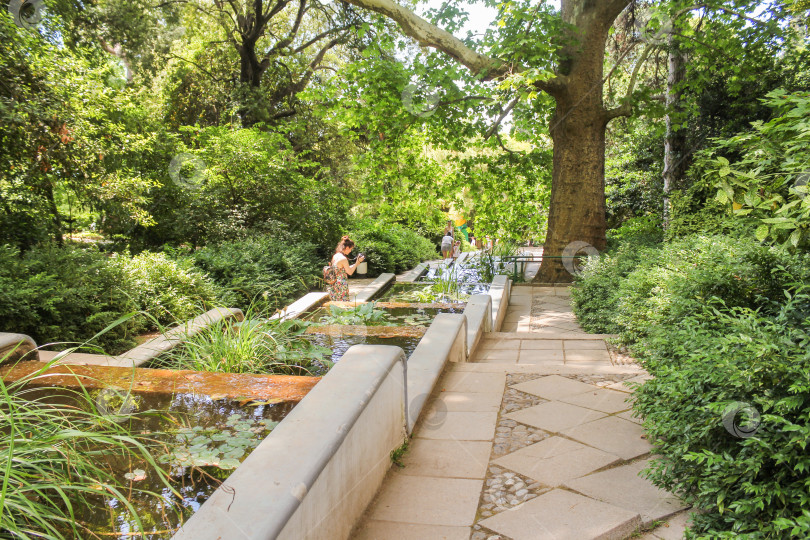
pixel 554 387
pixel 383 530
pixel 556 460
pixel 539 344
pixel 466 402
pixel 426 500
pixel 541 356
pixel 446 459
pixel 467 426
pixel 555 416
pixel 465 381
pixel 600 399
pixel 612 434
pixel 585 344
pixel 562 515
pixel 623 487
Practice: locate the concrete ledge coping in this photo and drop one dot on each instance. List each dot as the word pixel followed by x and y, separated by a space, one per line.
pixel 375 287
pixel 445 340
pixel 302 305
pixel 15 346
pixel 499 291
pixel 263 494
pixel 463 257
pixel 412 275
pixel 479 319
pixel 154 347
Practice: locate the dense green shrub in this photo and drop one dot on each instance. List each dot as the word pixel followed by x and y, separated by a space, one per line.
pixel 755 486
pixel 71 293
pixel 270 271
pixel 390 247
pixel 717 321
pixel 65 294
pixel 639 288
pixel 168 290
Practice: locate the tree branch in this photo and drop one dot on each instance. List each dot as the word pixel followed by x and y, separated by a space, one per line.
pixel 503 114
pixel 626 109
pixel 429 35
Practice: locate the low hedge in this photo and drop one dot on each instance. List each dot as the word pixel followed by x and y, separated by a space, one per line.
pixel 641 286
pixel 266 271
pixel 722 325
pixel 69 294
pixel 391 247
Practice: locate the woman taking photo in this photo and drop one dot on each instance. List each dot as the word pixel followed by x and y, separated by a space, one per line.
pixel 339 290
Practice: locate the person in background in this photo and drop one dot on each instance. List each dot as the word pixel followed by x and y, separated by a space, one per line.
pixel 457 249
pixel 339 290
pixel 449 229
pixel 447 245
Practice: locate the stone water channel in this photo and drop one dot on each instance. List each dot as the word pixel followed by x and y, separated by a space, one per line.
pixel 207 423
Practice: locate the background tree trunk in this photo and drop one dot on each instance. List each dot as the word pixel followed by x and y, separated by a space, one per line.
pixel 675 139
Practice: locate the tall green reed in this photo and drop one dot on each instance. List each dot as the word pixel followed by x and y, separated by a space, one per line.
pixel 256 344
pixel 57 457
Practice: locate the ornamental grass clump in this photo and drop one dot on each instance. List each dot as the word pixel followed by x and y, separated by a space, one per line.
pixel 57 461
pixel 253 345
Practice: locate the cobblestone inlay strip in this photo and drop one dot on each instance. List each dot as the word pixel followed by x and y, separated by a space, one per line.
pixel 515 400
pixel 505 489
pixel 482 533
pixel 511 436
pixel 601 380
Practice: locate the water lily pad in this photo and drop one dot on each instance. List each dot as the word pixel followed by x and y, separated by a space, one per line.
pixel 136 476
pixel 221 436
pixel 229 463
pixel 166 458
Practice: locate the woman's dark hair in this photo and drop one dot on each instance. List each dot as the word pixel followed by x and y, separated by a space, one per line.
pixel 344 243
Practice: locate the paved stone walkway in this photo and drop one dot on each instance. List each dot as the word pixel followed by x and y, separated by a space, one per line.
pixel 532 439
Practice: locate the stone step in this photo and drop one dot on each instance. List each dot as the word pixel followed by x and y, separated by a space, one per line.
pixel 79 359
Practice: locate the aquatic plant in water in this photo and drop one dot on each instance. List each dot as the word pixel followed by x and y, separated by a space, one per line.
pixel 254 345
pixel 220 447
pixel 57 460
pixel 361 314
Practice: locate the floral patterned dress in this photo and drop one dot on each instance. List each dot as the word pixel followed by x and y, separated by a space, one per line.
pixel 339 290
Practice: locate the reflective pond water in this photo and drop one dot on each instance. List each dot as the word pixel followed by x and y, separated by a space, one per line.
pixel 197 440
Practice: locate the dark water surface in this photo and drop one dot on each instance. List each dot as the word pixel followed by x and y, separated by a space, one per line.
pixel 198 440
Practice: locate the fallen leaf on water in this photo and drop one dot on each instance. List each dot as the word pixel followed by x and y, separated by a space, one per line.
pixel 136 476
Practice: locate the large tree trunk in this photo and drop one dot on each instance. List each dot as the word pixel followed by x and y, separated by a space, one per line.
pixel 577 216
pixel 577 189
